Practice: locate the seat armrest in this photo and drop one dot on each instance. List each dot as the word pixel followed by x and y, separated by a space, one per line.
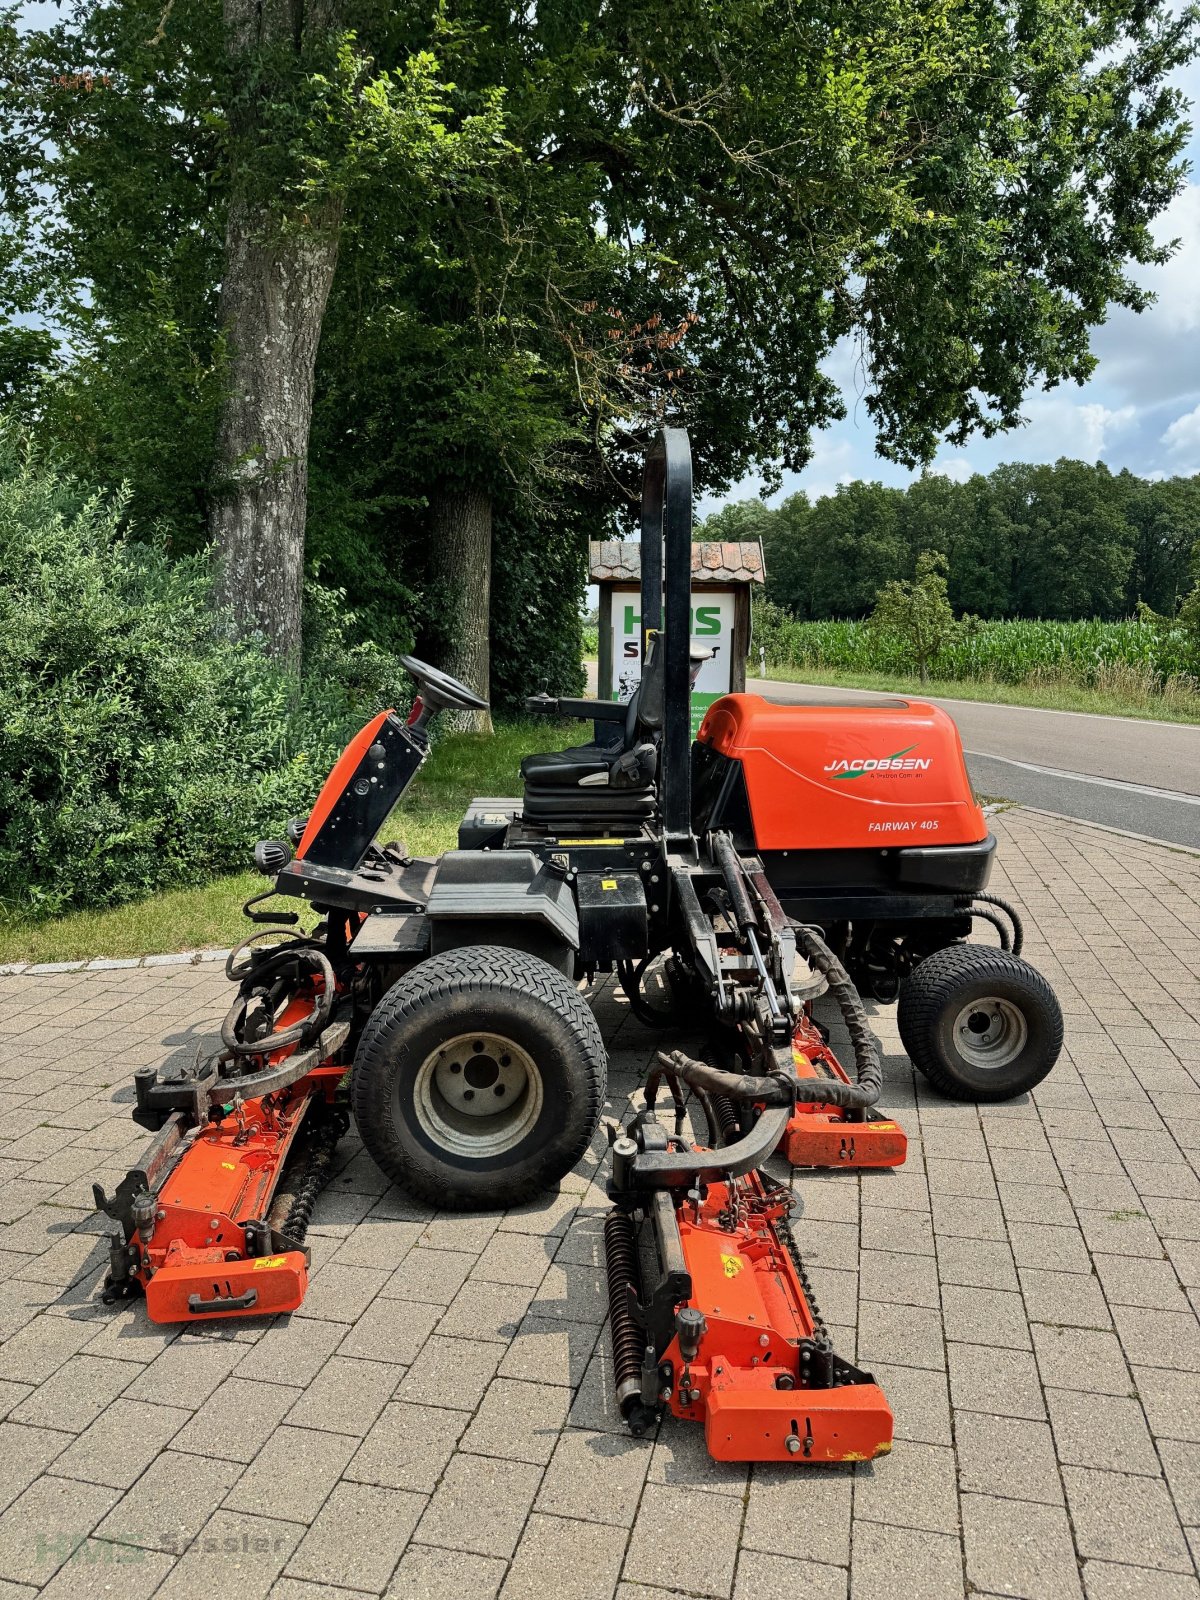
pixel 585 710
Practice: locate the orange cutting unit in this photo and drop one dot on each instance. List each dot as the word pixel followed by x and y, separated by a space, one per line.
pixel 213 1217
pixel 712 1312
pixel 822 1135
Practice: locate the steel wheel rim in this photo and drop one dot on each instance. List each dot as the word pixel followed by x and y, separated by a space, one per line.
pixel 478 1095
pixel 990 1032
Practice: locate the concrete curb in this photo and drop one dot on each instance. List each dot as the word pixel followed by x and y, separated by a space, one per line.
pixel 45 969
pixel 1104 827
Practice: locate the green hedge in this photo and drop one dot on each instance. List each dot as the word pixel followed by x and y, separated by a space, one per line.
pixel 140 747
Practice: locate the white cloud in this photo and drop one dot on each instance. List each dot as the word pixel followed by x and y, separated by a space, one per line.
pixel 833 462
pixel 1056 425
pixel 957 468
pixel 1182 440
pixel 1093 424
pixel 1176 285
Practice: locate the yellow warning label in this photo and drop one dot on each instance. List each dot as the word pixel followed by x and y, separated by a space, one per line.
pixel 608 883
pixel 228 1166
pixel 265 1263
pixel 733 1265
pixel 591 841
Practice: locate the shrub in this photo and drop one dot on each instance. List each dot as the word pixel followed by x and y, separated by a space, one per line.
pixel 918 612
pixel 140 746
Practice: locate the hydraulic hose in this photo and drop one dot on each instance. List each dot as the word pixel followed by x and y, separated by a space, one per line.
pixel 868 1070
pixel 764 1090
pixel 274 974
pixel 631 983
pixel 982 914
pixel 1010 911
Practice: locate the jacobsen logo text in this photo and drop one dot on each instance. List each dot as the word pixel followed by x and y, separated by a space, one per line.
pixel 900 761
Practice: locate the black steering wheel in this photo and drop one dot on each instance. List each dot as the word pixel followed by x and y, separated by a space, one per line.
pixel 439 690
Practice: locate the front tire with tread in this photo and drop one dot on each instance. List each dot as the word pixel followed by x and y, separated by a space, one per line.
pixel 937 993
pixel 500 993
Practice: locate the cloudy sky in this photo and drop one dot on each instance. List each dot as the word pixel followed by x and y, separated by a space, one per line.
pixel 1141 409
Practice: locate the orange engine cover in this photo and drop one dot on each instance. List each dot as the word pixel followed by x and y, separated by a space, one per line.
pixel 847 777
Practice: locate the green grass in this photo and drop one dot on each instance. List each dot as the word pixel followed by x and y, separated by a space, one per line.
pixel 1048 693
pixel 460 767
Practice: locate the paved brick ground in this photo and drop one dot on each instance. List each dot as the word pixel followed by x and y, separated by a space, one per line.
pixel 436 1420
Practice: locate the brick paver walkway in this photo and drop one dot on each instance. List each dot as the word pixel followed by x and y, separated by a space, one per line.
pixel 436 1421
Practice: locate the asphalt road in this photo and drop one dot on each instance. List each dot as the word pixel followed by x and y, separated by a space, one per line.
pixel 1126 773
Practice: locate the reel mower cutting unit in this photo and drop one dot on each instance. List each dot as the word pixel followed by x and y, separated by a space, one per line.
pixel 784 854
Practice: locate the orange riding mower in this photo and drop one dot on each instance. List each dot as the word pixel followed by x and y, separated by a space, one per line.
pixel 784 854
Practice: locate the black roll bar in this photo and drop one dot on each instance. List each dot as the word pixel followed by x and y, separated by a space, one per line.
pixel 666 520
pixel 651 518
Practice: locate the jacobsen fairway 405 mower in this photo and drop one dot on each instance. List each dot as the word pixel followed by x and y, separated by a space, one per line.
pixel 785 853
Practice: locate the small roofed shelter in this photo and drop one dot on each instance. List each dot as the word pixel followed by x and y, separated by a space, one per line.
pixel 723 574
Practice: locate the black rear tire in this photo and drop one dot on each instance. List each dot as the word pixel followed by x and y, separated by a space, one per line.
pixel 479 1078
pixel 978 1023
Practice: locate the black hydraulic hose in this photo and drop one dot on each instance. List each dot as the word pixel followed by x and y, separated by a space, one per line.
pixel 763 1089
pixel 712 1121
pixel 631 983
pixel 1010 911
pixel 868 1070
pixel 982 914
pixel 262 958
pixel 281 963
pixel 668 1071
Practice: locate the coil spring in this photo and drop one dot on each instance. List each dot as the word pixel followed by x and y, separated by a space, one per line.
pixel 726 1116
pixel 628 1339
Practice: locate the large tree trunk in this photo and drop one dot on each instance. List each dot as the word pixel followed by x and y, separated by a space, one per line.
pixel 273 295
pixel 461 539
pixel 272 304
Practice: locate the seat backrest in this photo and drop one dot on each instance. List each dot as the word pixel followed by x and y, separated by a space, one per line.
pixel 631 718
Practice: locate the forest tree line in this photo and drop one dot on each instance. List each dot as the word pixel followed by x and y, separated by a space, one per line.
pixel 1063 541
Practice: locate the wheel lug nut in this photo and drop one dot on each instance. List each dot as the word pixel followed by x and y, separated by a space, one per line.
pixel 468 1094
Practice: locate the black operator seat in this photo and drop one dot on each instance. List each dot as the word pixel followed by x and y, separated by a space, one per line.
pixel 613 777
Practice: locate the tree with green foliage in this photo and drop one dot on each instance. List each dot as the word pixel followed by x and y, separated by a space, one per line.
pixel 1164 518
pixel 727 190
pixel 918 611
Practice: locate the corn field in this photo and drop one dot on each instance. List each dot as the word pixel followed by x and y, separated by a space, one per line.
pixel 1089 653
